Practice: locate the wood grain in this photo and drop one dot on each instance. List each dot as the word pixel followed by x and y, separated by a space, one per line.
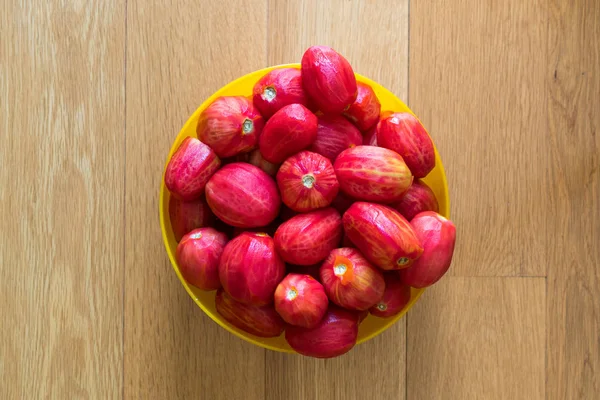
pixel 478 338
pixel 477 84
pixel 375 369
pixel 573 77
pixel 177 55
pixel 61 199
pixel 372 34
pixel 293 27
pixel 92 94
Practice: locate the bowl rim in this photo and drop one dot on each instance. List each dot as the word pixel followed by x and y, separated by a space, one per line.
pixel 415 293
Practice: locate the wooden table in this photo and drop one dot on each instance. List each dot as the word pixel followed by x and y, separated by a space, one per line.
pixel 93 92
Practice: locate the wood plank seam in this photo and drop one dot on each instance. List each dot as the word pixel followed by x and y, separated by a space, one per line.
pixel 124 277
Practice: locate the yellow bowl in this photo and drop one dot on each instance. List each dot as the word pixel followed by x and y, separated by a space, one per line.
pixel 371 326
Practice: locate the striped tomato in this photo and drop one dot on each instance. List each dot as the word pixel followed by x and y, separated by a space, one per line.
pixel 372 174
pixel 403 133
pixel 383 235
